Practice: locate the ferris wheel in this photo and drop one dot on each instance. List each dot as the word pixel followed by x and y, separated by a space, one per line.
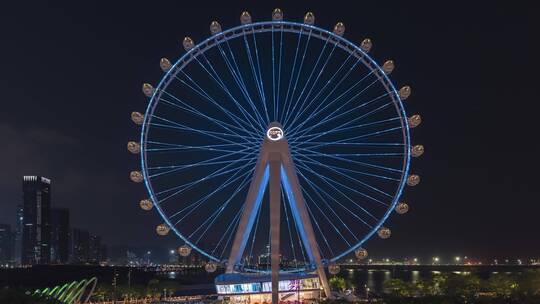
pixel 344 134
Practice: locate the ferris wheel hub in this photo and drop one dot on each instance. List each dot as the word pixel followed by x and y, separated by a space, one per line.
pixel 275 131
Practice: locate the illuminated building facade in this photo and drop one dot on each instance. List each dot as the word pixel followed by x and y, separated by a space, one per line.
pixel 18 235
pixel 36 240
pixel 257 288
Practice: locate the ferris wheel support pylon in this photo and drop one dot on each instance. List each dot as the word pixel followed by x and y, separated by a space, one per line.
pixel 275 165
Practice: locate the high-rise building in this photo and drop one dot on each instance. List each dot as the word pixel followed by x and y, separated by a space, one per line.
pixel 59 235
pixel 104 254
pixel 18 235
pixel 80 246
pixel 36 241
pixel 6 244
pixel 94 256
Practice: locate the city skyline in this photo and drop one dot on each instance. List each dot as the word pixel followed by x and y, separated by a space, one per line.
pixel 478 191
pixel 43 234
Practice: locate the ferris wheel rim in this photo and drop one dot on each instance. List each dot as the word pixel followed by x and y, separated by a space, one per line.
pixel 276 26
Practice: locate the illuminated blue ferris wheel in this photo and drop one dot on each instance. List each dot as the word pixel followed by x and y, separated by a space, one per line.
pixel 310 97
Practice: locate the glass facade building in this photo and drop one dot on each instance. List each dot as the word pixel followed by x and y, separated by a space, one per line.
pixel 60 235
pixel 257 288
pixel 36 238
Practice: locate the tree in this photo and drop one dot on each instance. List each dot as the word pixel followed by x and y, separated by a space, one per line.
pixel 337 283
pixel 502 284
pixel 398 288
pixel 153 289
pixel 529 283
pixel 463 287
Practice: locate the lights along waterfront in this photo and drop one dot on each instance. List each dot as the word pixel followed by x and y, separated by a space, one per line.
pixel 183 281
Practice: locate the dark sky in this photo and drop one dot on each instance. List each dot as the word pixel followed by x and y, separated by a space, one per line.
pixel 71 73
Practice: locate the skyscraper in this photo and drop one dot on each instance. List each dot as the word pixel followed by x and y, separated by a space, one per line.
pixel 94 256
pixel 80 242
pixel 18 235
pixel 36 239
pixel 6 244
pixel 59 235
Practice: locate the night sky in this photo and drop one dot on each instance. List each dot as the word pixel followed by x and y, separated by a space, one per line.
pixel 71 73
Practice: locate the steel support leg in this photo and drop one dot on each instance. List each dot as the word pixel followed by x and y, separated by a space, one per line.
pixel 275 220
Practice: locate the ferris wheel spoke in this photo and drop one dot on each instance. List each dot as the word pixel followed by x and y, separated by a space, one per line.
pixel 332 182
pixel 347 160
pixel 340 171
pixel 255 232
pixel 177 168
pixel 300 243
pixel 343 170
pixel 215 76
pixel 220 83
pixel 178 126
pixel 231 233
pixel 320 110
pixel 341 129
pixel 307 141
pixel 299 104
pixel 333 198
pixel 332 117
pixel 337 84
pixel 326 217
pixel 324 102
pixel 190 185
pixel 357 154
pixel 330 143
pixel 217 79
pixel 214 120
pixel 254 71
pixel 193 206
pixel 182 148
pixel 319 228
pixel 218 147
pixel 212 134
pixel 261 83
pixel 201 92
pixel 291 74
pixel 273 80
pixel 239 79
pixel 296 129
pixel 363 136
pixel 287 112
pixel 318 191
pixel 232 224
pixel 317 79
pixel 277 110
pixel 289 227
pixel 212 218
